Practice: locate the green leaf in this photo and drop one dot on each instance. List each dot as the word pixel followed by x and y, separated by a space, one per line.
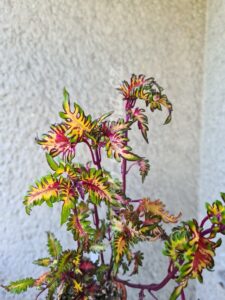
pixel 103 117
pixel 65 213
pixel 64 260
pixel 52 290
pixel 20 286
pixel 43 262
pixel 177 291
pixel 168 119
pixel 222 196
pixel 51 162
pixel 68 195
pixel 54 246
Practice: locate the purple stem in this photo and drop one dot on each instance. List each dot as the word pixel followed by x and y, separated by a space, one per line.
pixel 152 286
pixel 91 151
pixel 207 231
pixel 182 295
pixel 136 200
pixel 204 220
pixel 124 161
pixel 97 162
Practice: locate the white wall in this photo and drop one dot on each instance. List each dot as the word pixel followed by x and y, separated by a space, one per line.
pixel 212 179
pixel 89 47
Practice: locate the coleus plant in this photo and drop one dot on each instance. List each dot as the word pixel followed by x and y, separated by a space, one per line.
pixel 85 189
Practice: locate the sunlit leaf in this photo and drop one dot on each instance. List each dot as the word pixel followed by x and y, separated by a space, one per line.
pixel 46 190
pixel 57 142
pixel 97 186
pixel 77 122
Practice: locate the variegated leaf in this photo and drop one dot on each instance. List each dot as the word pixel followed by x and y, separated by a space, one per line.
pixel 58 142
pixel 136 88
pixel 54 246
pixel 138 115
pixel 177 244
pixel 147 90
pixel 43 262
pixel 20 286
pixel 144 168
pixel 77 122
pixel 178 290
pixel 216 212
pixel 97 186
pixel 46 190
pixel 116 146
pixel 68 195
pixel 158 101
pixel 201 256
pixel 137 258
pixel 157 208
pixel 80 225
pixel 120 246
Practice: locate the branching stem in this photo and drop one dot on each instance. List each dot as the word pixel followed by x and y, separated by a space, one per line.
pixel 152 286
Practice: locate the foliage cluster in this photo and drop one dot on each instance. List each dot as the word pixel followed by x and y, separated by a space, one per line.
pixel 84 189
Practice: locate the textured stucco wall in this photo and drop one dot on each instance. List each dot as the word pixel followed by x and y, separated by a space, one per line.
pixel 212 179
pixel 89 47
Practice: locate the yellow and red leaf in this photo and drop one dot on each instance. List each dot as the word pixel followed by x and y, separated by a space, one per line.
pixel 203 251
pixel 77 122
pixel 56 141
pixel 46 190
pixel 120 246
pixel 157 208
pixel 138 115
pixel 96 185
pixel 68 195
pixel 135 89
